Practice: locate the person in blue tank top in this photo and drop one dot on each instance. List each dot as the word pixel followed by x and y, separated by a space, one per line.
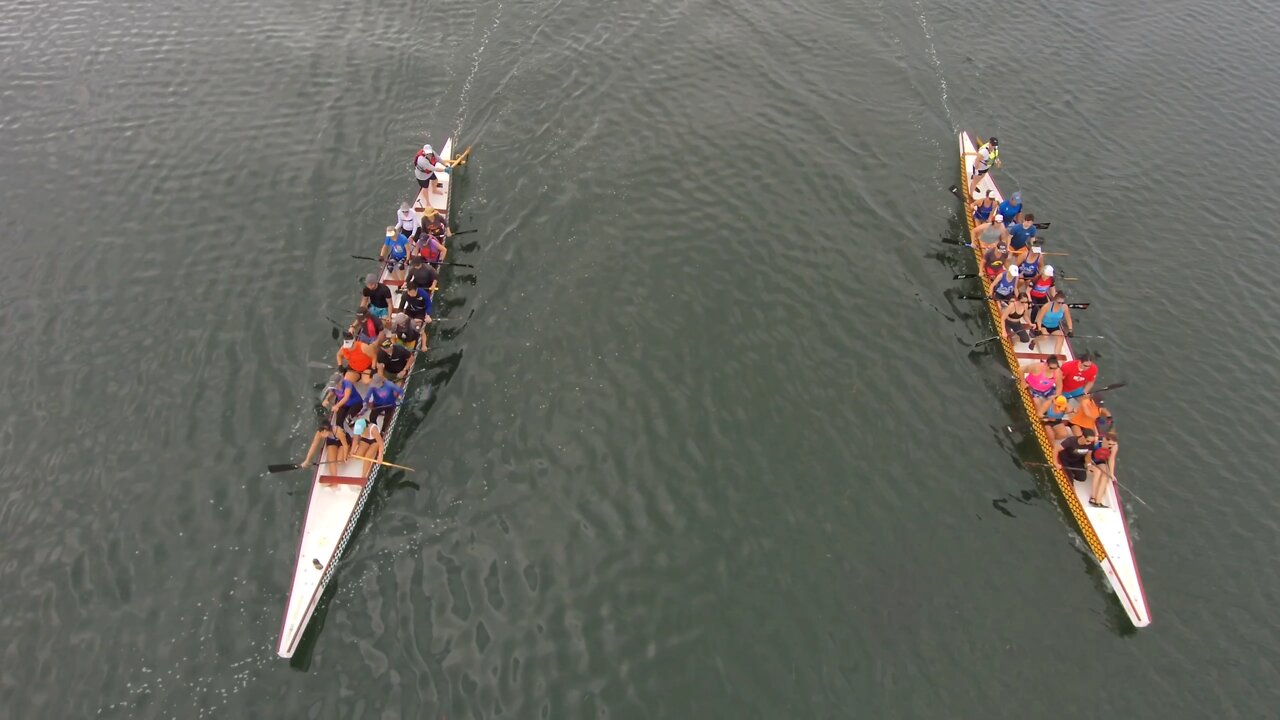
pixel 1005 287
pixel 1010 208
pixel 1054 319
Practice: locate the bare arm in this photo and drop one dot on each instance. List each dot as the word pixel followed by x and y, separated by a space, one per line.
pixel 311 452
pixel 1066 319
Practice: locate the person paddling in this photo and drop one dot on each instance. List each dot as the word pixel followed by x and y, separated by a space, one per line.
pixel 383 398
pixel 982 211
pixel 376 297
pixel 1054 319
pixel 346 402
pixel 1021 234
pixel 1015 318
pixel 1010 208
pixel 334 442
pixel 1005 287
pixel 1042 383
pixel 991 233
pixel 417 305
pixel 1079 375
pixel 994 260
pixel 1073 453
pixel 1102 468
pixel 395 251
pixel 393 358
pixel 366 327
pixel 1030 265
pixel 367 442
pixel 1039 287
pixel 1055 415
pixel 407 223
pixel 354 358
pixel 435 224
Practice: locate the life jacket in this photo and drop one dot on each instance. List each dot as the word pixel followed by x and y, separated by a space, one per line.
pixel 1101 453
pixel 994 153
pixel 1040 286
pixel 430 160
pixel 370 329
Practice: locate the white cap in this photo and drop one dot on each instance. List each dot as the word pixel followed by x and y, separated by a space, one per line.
pixel 1011 268
pixel 1037 250
pixel 1048 271
pixel 427 149
pixel 999 217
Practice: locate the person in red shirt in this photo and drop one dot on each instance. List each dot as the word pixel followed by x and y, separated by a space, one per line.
pixel 1078 376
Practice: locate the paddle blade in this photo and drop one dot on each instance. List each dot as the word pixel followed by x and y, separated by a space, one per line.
pixel 283 467
pixel 334 333
pixel 1042 226
pixel 1078 306
pixel 953 241
pixel 1112 386
pixel 963 276
pixel 956 191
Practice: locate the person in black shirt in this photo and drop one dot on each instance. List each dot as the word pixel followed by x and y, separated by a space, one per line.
pixel 377 297
pixel 1073 453
pixel 392 359
pixel 406 334
pixel 417 305
pixel 421 274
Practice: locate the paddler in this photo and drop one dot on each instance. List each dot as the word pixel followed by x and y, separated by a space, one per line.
pixel 1005 287
pixel 366 441
pixel 1073 453
pixel 1054 319
pixel 354 358
pixel 988 156
pixel 1102 468
pixel 383 398
pixel 982 211
pixel 416 303
pixel 435 223
pixel 395 250
pixel 994 260
pixel 376 297
pixel 1015 318
pixel 990 233
pixel 1021 233
pixel 407 223
pixel 334 442
pixel 367 328
pixel 1079 375
pixel 1042 382
pixel 1010 208
pixel 1055 416
pixel 346 401
pixel 1039 287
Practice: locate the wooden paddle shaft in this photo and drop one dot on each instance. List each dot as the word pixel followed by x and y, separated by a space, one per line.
pixel 382 462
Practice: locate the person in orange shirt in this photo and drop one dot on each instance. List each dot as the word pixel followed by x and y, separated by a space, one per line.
pixel 355 358
pixel 1086 416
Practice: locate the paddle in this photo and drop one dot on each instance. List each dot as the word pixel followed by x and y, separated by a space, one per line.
pixel 286 467
pixel 969 276
pixel 1108 473
pixel 1073 306
pixel 336 327
pixel 436 262
pixel 984 341
pixel 381 462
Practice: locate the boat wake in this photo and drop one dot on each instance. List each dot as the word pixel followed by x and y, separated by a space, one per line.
pixel 936 62
pixel 475 66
